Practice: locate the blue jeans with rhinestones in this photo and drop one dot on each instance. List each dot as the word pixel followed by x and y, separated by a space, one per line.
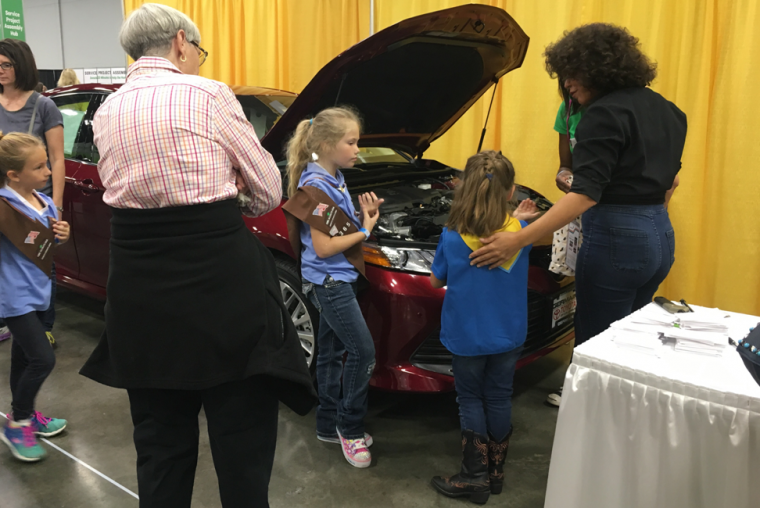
pixel 342 329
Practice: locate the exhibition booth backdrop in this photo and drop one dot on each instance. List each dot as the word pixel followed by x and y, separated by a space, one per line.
pixel 706 51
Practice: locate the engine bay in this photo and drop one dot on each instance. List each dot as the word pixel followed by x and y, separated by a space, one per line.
pixel 418 199
pixel 417 211
pixel 414 212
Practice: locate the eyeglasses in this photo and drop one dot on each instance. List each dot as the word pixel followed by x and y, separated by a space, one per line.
pixel 202 53
pixel 6 66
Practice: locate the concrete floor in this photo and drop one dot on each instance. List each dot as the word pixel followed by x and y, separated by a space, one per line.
pixel 416 437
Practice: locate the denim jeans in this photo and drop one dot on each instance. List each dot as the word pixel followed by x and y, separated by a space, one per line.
pixel 627 252
pixel 341 329
pixel 484 392
pixel 32 361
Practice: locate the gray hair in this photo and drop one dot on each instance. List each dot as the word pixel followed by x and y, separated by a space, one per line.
pixel 149 30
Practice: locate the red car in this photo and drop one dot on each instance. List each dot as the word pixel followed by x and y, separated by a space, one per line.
pixel 411 82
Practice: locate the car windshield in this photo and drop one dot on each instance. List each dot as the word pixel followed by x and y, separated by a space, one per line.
pixel 375 154
pixel 263 111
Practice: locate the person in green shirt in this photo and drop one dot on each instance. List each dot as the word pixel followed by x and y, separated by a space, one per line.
pixel 565 125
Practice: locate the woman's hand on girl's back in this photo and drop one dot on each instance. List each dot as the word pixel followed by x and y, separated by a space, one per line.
pixel 370 205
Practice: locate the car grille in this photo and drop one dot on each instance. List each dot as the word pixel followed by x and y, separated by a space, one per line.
pixel 432 355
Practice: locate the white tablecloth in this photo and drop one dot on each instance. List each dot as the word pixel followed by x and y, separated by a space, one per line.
pixel 638 431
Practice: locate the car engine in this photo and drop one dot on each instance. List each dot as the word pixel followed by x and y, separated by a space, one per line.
pixel 415 212
pixel 418 211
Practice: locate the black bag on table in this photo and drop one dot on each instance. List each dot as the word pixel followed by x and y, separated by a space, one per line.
pixel 749 350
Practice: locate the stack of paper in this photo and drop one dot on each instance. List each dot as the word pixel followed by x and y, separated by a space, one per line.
pixel 704 331
pixel 698 341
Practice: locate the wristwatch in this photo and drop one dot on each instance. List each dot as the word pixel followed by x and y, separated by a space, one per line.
pixel 59 208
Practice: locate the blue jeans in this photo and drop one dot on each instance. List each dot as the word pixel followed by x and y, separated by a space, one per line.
pixel 484 392
pixel 341 329
pixel 627 252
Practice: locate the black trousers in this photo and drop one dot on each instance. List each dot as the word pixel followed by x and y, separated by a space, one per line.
pixel 32 361
pixel 242 428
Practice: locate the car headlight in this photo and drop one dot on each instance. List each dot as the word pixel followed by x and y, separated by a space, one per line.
pixel 399 258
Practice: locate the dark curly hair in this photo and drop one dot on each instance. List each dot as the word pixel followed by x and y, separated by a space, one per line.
pixel 602 57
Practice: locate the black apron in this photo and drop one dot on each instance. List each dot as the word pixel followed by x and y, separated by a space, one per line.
pixel 193 301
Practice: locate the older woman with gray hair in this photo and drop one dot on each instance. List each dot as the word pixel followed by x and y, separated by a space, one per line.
pixel 194 316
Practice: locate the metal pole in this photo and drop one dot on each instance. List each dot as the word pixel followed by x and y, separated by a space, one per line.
pixel 371 17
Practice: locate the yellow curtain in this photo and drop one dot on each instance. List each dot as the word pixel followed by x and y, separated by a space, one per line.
pixel 273 43
pixel 705 49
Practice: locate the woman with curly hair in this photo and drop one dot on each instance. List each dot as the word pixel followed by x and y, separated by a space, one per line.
pixel 625 166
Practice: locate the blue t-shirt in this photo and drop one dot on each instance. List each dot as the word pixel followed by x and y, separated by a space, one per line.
pixel 485 312
pixel 24 288
pixel 313 268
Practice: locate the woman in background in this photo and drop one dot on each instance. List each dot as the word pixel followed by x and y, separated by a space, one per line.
pixel 68 78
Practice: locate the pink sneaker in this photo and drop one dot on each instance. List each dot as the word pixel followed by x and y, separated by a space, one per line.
pixel 356 452
pixel 5 333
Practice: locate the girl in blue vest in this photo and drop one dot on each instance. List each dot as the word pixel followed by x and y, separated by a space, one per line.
pixel 484 321
pixel 318 149
pixel 25 295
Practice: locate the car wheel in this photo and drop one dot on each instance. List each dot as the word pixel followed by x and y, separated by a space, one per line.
pixel 305 317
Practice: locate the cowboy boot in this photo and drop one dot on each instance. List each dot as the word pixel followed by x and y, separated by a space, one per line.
pixel 472 480
pixel 497 455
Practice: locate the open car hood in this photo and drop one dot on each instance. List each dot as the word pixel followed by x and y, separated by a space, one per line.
pixel 412 81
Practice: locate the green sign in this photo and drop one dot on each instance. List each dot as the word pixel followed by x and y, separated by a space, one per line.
pixel 12 17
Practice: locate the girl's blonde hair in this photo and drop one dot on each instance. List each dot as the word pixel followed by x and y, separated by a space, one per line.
pixel 14 150
pixel 482 199
pixel 321 132
pixel 68 78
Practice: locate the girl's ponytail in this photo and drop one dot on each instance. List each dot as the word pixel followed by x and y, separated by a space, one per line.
pixel 298 155
pixel 321 132
pixel 14 150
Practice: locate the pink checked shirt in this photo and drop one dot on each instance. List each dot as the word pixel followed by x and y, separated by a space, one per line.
pixel 171 139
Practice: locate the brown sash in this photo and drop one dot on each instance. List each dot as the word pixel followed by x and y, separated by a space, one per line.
pixel 29 236
pixel 318 210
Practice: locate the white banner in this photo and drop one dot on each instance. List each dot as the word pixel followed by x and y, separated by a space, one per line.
pixel 90 76
pixel 118 75
pixel 104 76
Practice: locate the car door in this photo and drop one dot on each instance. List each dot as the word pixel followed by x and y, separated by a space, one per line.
pixel 73 107
pixel 91 217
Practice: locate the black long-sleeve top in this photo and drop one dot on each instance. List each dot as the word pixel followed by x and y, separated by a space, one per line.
pixel 629 147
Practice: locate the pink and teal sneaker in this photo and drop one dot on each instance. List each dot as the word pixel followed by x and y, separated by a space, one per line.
pixel 47 427
pixel 356 451
pixel 44 426
pixel 20 438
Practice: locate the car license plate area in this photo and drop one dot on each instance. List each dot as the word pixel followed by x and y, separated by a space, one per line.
pixel 563 308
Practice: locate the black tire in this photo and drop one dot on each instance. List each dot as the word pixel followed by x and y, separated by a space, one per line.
pixel 306 323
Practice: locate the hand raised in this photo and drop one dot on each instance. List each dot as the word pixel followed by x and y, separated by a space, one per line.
pixel 370 203
pixel 527 210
